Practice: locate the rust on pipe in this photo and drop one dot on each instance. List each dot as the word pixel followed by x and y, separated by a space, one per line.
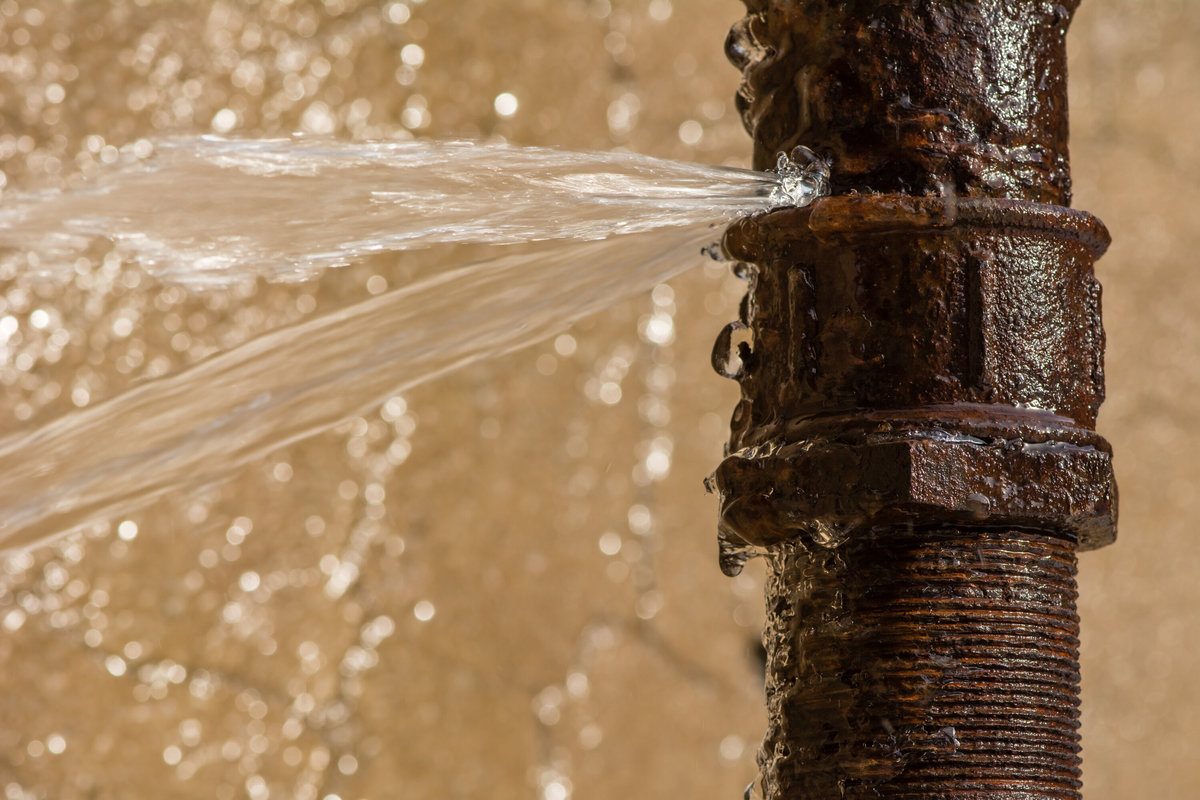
pixel 915 449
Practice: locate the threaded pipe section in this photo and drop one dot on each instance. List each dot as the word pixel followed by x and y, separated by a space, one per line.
pixel 923 665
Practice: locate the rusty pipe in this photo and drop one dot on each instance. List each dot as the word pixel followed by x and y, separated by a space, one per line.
pixel 915 448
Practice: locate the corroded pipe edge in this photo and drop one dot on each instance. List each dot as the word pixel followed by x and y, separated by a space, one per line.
pixel 821 488
pixel 981 423
pixel 911 96
pixel 857 470
pixel 846 216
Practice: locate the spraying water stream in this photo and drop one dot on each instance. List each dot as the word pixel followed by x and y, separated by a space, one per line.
pixel 207 212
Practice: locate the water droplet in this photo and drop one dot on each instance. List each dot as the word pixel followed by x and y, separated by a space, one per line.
pixel 506 104
pixel 803 177
pixel 740 47
pixel 730 356
pixel 715 251
pixel 732 747
pixel 829 535
pixel 733 552
pixel 610 543
pixel 660 10
pixel 398 13
pixel 951 736
pixel 413 55
pixel 691 132
pixel 742 270
pixel 224 120
pixel 424 611
pixel 979 505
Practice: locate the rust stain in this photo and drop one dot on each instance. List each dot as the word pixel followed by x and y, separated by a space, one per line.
pixel 915 447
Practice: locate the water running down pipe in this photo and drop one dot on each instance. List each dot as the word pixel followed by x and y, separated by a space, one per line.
pixel 915 448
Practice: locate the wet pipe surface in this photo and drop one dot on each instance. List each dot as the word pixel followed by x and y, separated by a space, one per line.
pixel 924 665
pixel 915 447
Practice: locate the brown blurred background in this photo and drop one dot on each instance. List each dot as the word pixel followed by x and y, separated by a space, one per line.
pixel 519 602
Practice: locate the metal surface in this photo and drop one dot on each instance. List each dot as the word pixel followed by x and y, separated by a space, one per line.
pixel 915 446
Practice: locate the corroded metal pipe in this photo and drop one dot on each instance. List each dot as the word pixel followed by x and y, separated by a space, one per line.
pixel 915 448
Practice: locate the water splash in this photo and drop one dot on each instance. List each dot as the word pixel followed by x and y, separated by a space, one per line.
pixel 733 552
pixel 829 535
pixel 803 177
pixel 207 212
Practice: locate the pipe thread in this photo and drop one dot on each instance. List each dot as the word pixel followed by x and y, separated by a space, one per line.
pixel 925 664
